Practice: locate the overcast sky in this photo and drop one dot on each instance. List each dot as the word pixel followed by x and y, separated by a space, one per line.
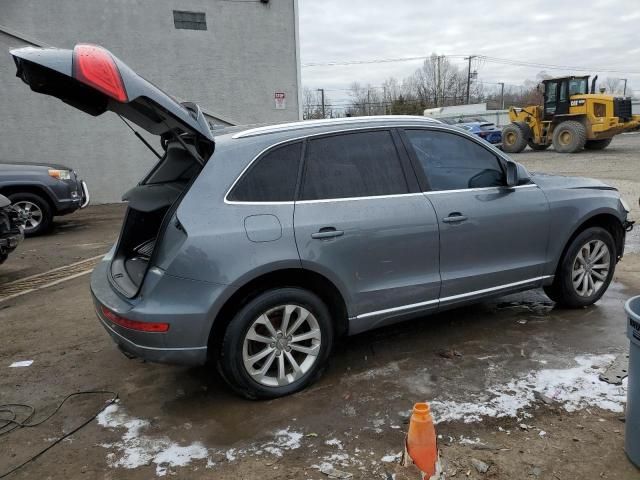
pixel 602 34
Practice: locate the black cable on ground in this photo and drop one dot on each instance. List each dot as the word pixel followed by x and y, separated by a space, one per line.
pixel 8 425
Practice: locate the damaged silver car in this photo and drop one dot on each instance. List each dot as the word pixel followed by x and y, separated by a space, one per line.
pixel 255 258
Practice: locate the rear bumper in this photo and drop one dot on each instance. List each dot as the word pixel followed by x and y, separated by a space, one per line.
pixel 176 355
pixel 184 304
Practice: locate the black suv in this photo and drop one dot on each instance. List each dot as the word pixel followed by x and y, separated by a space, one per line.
pixel 42 191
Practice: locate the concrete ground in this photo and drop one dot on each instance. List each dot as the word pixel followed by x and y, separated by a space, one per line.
pixel 513 381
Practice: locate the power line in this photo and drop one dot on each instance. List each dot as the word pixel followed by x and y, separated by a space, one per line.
pixel 497 60
pixel 521 63
pixel 365 62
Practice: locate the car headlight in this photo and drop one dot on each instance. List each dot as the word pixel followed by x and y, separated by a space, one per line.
pixel 60 174
pixel 625 205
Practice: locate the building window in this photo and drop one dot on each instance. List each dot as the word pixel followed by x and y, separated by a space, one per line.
pixel 189 20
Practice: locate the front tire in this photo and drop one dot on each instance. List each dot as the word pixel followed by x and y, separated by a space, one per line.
pixel 37 211
pixel 277 344
pixel 514 138
pixel 569 137
pixel 585 270
pixel 597 144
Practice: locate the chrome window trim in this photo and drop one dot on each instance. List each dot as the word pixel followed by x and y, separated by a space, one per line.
pixel 481 189
pixel 450 298
pixel 285 127
pixel 436 126
pixel 347 199
pixel 374 197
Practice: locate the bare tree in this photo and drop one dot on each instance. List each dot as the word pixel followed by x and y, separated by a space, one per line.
pixel 612 85
pixel 365 100
pixel 312 105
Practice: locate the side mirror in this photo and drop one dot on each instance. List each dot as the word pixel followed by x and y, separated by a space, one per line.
pixel 512 174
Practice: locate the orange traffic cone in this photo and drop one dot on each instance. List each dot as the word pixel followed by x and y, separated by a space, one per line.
pixel 421 441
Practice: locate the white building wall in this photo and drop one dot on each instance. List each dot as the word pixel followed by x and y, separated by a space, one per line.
pixel 232 70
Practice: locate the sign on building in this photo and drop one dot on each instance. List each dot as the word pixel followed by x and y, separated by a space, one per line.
pixel 281 101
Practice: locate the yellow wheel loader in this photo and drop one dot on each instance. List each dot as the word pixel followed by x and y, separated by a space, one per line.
pixel 571 118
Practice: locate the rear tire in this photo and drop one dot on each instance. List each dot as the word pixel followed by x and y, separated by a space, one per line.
pixel 593 252
pixel 569 137
pixel 514 138
pixel 597 144
pixel 538 147
pixel 260 357
pixel 38 211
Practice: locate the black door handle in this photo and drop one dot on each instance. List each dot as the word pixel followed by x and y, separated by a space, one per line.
pixel 454 217
pixel 327 232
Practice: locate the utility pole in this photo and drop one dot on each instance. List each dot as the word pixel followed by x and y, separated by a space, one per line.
pixel 369 101
pixel 321 90
pixel 438 58
pixel 470 57
pixel 624 92
pixel 384 99
pixel 502 94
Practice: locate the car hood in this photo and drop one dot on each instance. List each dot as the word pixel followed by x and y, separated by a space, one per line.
pixel 27 165
pixel 548 181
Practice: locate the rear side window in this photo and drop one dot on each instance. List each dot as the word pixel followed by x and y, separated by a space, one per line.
pixel 453 162
pixel 362 164
pixel 272 178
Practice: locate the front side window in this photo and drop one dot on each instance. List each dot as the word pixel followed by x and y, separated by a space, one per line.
pixel 272 178
pixel 453 162
pixel 362 164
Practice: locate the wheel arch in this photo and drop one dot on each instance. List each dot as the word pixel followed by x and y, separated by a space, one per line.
pixel 39 190
pixel 285 277
pixel 607 220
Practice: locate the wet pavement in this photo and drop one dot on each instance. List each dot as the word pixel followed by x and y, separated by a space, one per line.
pixel 517 358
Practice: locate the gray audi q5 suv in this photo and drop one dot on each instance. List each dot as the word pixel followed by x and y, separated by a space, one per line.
pixel 259 255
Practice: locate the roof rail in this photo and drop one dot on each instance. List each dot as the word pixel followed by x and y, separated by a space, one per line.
pixel 284 127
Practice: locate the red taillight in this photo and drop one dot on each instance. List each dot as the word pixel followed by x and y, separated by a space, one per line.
pixel 134 324
pixel 94 66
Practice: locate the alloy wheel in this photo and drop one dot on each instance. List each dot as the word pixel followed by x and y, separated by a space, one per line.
pixel 32 214
pixel 590 268
pixel 281 345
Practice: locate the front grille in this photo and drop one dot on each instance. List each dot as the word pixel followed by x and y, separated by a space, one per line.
pixel 622 108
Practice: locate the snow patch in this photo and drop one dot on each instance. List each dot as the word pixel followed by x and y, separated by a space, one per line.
pixel 391 458
pixel 284 440
pixel 136 449
pixel 21 363
pixel 469 441
pixel 334 442
pixel 575 388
